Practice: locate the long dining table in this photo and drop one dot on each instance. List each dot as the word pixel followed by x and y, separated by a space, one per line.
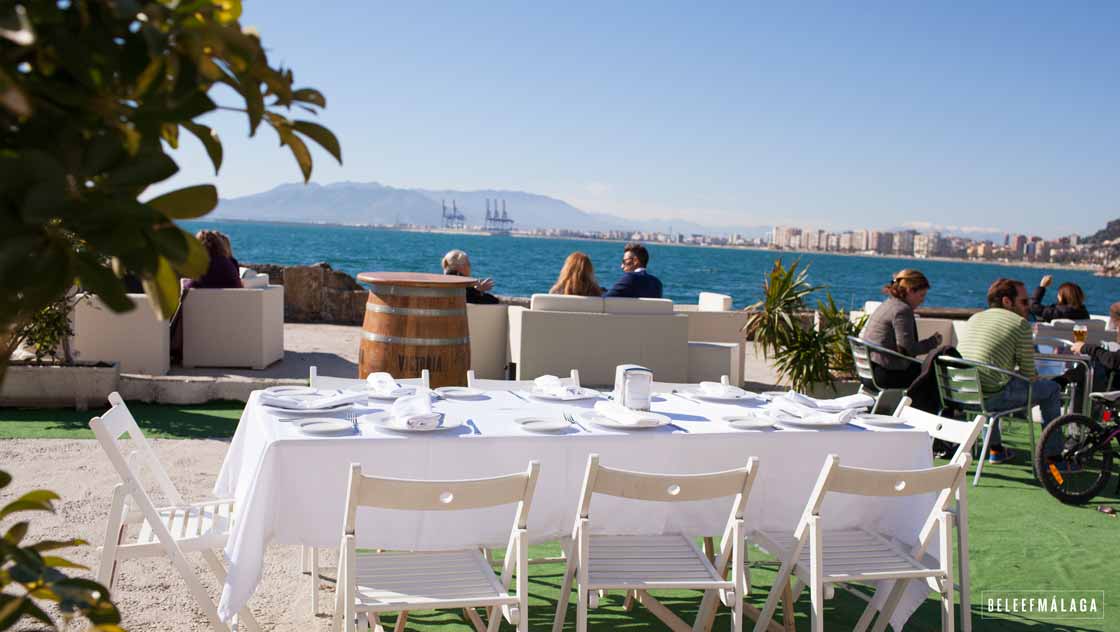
pixel 290 488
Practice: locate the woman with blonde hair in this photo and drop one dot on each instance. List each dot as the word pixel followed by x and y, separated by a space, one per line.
pixel 577 277
pixel 893 326
pixel 223 271
pixel 1071 302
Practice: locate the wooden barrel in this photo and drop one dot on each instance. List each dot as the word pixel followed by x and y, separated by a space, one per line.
pixel 414 322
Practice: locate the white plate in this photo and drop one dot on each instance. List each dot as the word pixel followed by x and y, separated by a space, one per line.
pixel 880 420
pixel 585 393
pixel 382 420
pixel 411 390
pixel 542 424
pixel 453 392
pixel 594 417
pixel 280 412
pixel 326 426
pixel 734 397
pixel 291 391
pixel 750 421
pixel 796 422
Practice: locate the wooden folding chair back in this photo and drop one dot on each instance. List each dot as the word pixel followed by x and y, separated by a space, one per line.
pixel 426 580
pixel 349 384
pixel 170 530
pixel 962 433
pixel 484 384
pixel 641 563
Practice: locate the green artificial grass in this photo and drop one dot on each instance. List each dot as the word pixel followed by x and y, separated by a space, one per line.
pixel 197 421
pixel 1020 539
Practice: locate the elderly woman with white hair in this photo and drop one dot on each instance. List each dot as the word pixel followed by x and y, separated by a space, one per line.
pixel 457 263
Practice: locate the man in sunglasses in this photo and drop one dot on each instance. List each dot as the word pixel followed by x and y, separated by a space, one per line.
pixel 1002 337
pixel 636 282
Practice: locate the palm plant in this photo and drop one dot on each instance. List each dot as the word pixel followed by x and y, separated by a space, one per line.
pixel 774 322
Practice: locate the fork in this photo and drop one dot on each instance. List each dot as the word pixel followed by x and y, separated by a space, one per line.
pixel 572 420
pixel 352 417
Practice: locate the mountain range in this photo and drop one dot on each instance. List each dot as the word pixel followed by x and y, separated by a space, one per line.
pixel 374 203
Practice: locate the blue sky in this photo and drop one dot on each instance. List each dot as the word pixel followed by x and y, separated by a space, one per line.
pixel 876 114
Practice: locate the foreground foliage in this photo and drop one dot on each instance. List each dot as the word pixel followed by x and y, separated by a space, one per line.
pixel 35 576
pixel 93 96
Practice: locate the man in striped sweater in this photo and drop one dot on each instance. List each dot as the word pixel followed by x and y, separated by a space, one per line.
pixel 1002 337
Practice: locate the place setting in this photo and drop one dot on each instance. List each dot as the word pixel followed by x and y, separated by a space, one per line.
pixel 721 393
pixel 550 388
pixel 796 410
pixel 413 414
pixel 286 402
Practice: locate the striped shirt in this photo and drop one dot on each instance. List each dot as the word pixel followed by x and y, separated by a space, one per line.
pixel 1002 338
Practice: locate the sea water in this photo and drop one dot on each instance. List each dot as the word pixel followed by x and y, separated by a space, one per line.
pixel 521 266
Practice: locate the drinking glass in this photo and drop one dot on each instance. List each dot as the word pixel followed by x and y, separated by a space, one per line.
pixel 1079 333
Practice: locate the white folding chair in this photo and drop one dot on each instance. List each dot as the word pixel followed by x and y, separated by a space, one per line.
pixel 371 583
pixel 820 557
pixel 640 563
pixel 513 385
pixel 349 383
pixel 309 555
pixel 173 529
pixel 675 387
pixel 964 434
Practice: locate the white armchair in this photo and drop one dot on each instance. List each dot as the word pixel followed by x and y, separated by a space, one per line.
pixel 233 327
pixel 139 340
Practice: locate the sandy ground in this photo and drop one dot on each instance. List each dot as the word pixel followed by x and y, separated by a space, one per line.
pixel 149 592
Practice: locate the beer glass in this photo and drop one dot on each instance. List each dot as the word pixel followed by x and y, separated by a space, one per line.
pixel 1079 333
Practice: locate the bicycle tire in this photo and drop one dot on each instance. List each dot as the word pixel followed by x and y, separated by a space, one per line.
pixel 1076 431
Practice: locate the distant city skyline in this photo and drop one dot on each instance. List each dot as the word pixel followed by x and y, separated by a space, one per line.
pixel 927 116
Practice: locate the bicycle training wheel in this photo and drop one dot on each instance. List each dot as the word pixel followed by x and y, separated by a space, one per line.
pixel 1085 464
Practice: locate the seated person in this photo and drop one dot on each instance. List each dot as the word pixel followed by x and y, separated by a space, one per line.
pixel 577 277
pixel 1002 337
pixel 636 282
pixel 892 326
pixel 1071 302
pixel 223 271
pixel 457 263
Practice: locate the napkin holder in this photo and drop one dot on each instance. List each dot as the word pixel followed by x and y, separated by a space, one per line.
pixel 632 386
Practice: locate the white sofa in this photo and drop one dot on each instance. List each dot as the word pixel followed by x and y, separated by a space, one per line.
pixel 559 333
pixel 489 329
pixel 139 340
pixel 233 327
pixel 721 327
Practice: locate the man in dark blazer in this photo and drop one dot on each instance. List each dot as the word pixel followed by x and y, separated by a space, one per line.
pixel 635 281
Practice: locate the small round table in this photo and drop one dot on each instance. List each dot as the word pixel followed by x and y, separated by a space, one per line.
pixel 416 321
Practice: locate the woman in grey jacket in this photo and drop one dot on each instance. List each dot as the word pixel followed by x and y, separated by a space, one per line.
pixel 893 326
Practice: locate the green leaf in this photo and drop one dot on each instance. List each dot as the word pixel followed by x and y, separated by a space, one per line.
pixel 145 168
pixel 102 153
pixel 254 102
pixel 12 96
pixel 16 534
pixel 54 561
pixel 209 139
pixel 163 289
pixel 299 150
pixel 187 203
pixel 5 479
pixel 170 133
pixel 197 261
pixel 52 545
pixel 38 500
pixel 321 135
pixel 101 281
pixel 310 95
pixel 170 242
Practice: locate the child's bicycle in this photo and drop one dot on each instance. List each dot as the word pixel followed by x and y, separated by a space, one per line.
pixel 1085 464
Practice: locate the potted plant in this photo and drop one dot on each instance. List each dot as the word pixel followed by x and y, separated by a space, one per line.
pixel 47 373
pixel 811 355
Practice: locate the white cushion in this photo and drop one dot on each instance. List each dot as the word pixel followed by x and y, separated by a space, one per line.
pixel 1062 323
pixel 255 282
pixel 639 306
pixel 565 303
pixel 870 306
pixel 712 302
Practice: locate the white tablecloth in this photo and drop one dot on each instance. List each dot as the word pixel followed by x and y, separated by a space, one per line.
pixel 290 488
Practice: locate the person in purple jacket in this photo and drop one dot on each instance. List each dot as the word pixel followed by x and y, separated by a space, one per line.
pixel 224 270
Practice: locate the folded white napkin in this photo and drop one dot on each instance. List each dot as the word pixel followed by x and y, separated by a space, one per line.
pixel 625 416
pixel 551 385
pixel 857 400
pixel 383 384
pixel 719 389
pixel 837 418
pixel 791 407
pixel 414 411
pixel 316 403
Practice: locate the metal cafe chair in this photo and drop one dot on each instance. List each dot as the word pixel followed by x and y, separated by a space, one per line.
pixel 861 353
pixel 958 385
